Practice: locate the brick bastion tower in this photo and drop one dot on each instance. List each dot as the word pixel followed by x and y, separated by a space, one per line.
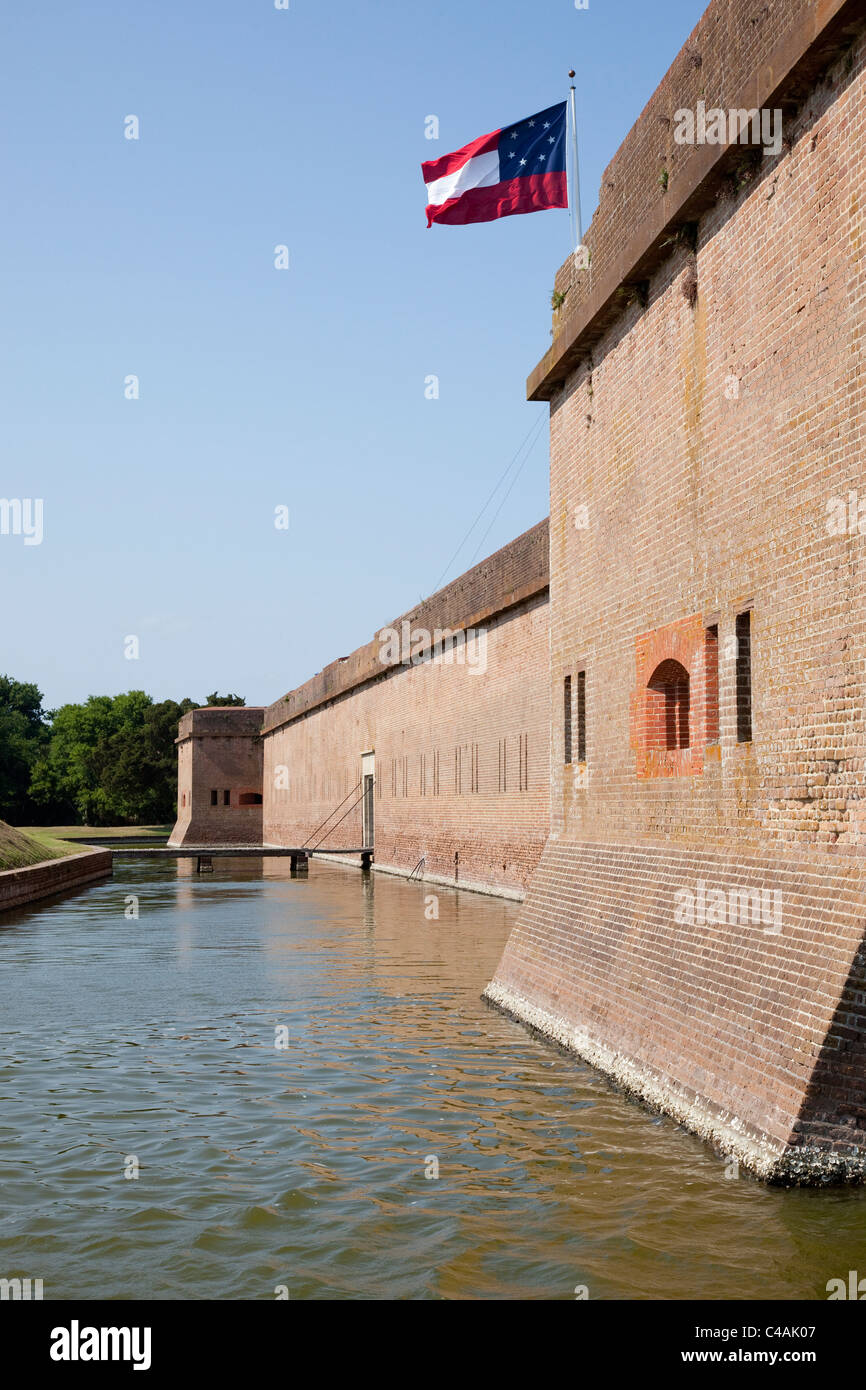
pixel 696 925
pixel 219 777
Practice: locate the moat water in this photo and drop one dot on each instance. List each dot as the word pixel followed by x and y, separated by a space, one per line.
pixel 148 1045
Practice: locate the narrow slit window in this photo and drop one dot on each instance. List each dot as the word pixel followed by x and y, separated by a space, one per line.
pixel 744 677
pixel 214 798
pixel 711 651
pixel 227 798
pixel 567 717
pixel 581 716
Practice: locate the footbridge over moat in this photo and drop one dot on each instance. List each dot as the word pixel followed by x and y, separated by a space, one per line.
pixel 205 854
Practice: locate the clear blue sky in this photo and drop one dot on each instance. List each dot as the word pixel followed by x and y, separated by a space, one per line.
pixel 261 387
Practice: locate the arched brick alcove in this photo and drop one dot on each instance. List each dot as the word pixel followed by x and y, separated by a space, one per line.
pixel 674 706
pixel 667 706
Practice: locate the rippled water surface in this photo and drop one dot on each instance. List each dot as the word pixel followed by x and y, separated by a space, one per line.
pixel 306 1166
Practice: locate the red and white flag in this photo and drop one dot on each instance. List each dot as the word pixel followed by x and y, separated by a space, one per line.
pixel 520 168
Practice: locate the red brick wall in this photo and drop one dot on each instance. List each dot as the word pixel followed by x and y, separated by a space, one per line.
pixel 701 505
pixel 461 754
pixel 219 749
pixel 669 733
pixel 696 452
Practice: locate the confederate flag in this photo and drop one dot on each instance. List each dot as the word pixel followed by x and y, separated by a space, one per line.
pixel 520 168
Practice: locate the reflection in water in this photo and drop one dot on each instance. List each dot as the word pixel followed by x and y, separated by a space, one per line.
pixel 305 1166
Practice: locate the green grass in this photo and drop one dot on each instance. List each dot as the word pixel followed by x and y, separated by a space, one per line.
pixel 19 848
pixel 35 844
pixel 157 833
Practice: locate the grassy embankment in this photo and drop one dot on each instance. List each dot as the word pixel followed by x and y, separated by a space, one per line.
pixel 34 844
pixel 19 848
pixel 89 833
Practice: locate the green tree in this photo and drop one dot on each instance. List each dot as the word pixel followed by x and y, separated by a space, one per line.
pixel 141 779
pixel 23 736
pixel 215 699
pixel 112 760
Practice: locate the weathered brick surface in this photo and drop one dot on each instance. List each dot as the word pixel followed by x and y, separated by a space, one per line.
pixel 219 750
pixel 722 1008
pixel 652 721
pixel 461 755
pixel 706 440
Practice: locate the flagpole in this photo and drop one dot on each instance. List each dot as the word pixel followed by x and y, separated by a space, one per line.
pixel 578 249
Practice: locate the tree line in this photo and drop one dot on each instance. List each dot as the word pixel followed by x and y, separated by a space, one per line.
pixel 109 761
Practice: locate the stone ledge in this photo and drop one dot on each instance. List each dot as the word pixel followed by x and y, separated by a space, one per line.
pixel 18 887
pixel 468 885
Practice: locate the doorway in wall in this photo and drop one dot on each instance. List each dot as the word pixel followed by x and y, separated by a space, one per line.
pixel 368 781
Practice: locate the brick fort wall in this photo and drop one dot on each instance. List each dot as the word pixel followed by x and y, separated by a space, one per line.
pixel 696 924
pixel 459 747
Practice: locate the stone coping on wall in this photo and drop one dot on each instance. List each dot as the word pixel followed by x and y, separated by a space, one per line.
pixel 34 881
pixel 740 56
pixel 221 721
pixel 513 575
pixel 489 890
pixel 463 885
